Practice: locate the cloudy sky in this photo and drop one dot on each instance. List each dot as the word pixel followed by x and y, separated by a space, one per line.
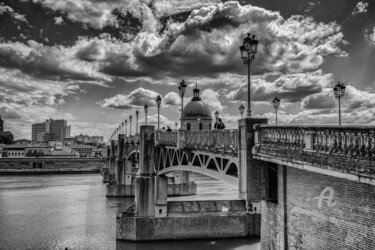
pixel 94 62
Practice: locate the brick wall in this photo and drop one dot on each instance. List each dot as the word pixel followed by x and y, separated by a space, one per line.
pixel 322 212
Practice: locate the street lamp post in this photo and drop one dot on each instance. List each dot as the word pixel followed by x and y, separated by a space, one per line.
pixel 248 51
pixel 126 127
pixel 242 109
pixel 181 90
pixel 146 108
pixel 158 102
pixel 136 121
pixel 130 124
pixel 276 104
pixel 339 91
pixel 136 116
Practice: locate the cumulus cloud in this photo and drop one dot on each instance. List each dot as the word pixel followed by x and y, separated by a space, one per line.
pixel 288 87
pixel 172 99
pixel 138 97
pixel 19 88
pixel 211 97
pixel 172 7
pixel 153 120
pixel 354 99
pixel 7 9
pixel 207 44
pixel 360 7
pixel 50 62
pixel 370 36
pixel 58 20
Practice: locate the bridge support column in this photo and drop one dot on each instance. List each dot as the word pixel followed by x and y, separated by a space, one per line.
pixel 180 185
pixel 250 176
pixel 145 180
pixel 105 169
pixel 124 185
pixel 161 195
pixel 112 162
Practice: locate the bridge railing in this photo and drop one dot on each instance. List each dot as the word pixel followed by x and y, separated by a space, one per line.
pixel 167 138
pixel 225 141
pixel 345 148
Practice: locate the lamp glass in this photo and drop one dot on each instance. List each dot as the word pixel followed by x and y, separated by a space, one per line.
pixel 253 46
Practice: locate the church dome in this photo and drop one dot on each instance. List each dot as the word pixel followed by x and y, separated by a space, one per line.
pixel 196 107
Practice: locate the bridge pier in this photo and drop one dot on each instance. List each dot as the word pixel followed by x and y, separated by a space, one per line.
pixel 251 181
pixel 123 186
pixel 179 185
pixel 105 168
pixel 112 163
pixel 153 218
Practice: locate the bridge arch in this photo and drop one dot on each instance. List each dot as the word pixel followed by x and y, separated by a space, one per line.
pixel 222 167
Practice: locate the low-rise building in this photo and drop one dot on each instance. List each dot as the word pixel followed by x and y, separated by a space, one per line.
pixel 38 150
pixel 83 150
pixel 14 151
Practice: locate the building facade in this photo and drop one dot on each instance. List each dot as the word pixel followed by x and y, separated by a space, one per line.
pixel 50 130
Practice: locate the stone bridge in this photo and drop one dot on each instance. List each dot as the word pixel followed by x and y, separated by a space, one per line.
pixel 313 186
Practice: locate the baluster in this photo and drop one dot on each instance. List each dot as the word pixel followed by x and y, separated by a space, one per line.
pixel 365 142
pixel 371 147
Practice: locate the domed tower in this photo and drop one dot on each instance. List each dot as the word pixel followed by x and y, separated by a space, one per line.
pixel 197 114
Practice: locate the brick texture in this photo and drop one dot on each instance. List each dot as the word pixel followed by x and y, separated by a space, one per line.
pixel 322 212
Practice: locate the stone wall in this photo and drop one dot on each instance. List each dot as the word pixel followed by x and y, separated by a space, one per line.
pixel 50 163
pixel 322 212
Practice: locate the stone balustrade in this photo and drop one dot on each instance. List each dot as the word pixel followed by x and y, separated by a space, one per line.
pixel 224 141
pixel 167 138
pixel 349 149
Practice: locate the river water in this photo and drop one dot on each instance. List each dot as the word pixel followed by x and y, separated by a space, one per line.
pixel 71 211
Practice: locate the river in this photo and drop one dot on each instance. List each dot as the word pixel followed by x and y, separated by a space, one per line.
pixel 71 211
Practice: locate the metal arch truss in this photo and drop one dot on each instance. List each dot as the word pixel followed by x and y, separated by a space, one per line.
pixel 223 167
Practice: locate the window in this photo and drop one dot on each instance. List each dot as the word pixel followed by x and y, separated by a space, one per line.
pixel 200 126
pixel 188 126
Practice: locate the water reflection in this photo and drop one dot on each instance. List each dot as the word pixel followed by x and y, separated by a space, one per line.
pixel 58 211
pixel 222 244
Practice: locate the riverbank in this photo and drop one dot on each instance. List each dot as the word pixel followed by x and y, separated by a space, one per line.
pixel 46 166
pixel 48 171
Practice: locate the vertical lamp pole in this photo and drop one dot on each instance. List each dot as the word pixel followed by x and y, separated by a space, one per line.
pixel 130 124
pixel 181 90
pixel 339 91
pixel 126 127
pixel 146 108
pixel 248 51
pixel 158 102
pixel 242 109
pixel 136 116
pixel 276 104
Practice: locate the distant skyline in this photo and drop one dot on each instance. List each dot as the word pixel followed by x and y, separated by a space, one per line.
pixel 94 62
